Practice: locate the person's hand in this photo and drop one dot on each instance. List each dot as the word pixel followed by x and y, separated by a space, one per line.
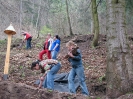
pixel 41 81
pixel 40 86
pixel 70 54
pixel 66 56
pixel 41 78
pixel 23 41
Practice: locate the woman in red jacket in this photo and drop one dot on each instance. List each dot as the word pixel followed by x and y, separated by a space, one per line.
pixel 46 50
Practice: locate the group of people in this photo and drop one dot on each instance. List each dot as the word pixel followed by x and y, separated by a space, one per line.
pixel 49 67
pixel 51 47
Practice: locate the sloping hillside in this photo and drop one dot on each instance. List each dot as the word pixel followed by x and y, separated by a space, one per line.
pixel 94 60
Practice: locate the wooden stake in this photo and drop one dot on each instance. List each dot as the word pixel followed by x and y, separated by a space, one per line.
pixel 6 68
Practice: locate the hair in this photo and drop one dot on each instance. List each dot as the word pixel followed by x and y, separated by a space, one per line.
pixel 71 43
pixel 23 33
pixel 57 36
pixel 34 65
pixel 42 69
pixel 49 34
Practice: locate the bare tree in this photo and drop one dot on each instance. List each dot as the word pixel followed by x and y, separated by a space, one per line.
pixel 92 19
pixel 20 22
pixel 68 17
pixel 33 5
pixel 95 23
pixel 38 18
pixel 119 59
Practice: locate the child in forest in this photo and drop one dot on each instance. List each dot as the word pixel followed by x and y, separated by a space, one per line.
pixel 46 48
pixel 77 69
pixel 49 68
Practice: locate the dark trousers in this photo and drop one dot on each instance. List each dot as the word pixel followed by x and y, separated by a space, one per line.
pixel 28 43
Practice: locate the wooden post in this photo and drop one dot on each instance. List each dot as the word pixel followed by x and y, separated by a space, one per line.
pixel 9 31
pixel 6 68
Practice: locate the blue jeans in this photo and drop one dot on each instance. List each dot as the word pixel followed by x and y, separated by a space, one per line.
pixel 79 71
pixel 28 43
pixel 49 79
pixel 54 54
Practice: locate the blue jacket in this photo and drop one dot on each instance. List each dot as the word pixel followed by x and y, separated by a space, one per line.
pixel 54 44
pixel 76 61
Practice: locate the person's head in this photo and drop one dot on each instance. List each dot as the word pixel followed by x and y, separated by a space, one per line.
pixel 57 37
pixel 48 35
pixel 23 33
pixel 70 45
pixel 35 65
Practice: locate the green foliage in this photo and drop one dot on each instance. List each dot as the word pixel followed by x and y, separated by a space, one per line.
pixel 101 7
pixel 98 98
pixel 3 41
pixel 38 45
pixel 28 6
pixel 101 78
pixel 45 30
pixel 129 11
pixel 27 21
pixel 23 74
pixel 87 67
pixel 129 93
pixel 49 90
pixel 58 7
pixel 20 67
pixel 12 69
pixel 35 18
pixel 29 10
pixel 69 98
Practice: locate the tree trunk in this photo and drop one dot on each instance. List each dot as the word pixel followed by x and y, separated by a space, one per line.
pixel 96 24
pixel 92 20
pixel 68 17
pixel 32 15
pixel 20 17
pixel 38 18
pixel 119 59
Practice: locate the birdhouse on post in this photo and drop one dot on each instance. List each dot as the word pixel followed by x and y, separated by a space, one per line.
pixel 9 31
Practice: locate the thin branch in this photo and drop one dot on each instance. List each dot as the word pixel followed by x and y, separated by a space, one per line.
pixel 99 3
pixel 9 7
pixel 88 6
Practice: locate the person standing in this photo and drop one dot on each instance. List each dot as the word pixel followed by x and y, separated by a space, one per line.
pixel 46 48
pixel 55 48
pixel 50 41
pixel 77 69
pixel 27 38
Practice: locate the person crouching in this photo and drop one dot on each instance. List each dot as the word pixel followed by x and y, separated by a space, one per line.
pixel 49 68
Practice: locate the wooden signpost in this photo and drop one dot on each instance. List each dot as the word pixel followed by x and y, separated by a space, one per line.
pixel 9 31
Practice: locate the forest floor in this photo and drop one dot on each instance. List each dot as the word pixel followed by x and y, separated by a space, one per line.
pixel 94 60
